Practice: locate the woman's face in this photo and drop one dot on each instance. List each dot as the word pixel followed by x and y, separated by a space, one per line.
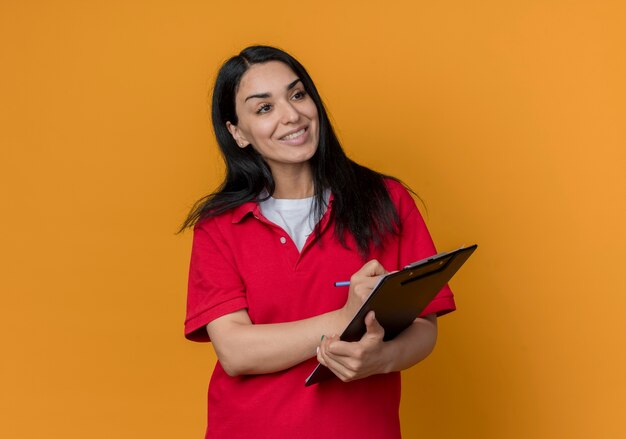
pixel 276 116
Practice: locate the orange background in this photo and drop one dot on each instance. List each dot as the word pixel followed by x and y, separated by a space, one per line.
pixel 508 118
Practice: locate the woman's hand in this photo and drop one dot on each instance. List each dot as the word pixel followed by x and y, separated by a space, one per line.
pixel 361 284
pixel 353 361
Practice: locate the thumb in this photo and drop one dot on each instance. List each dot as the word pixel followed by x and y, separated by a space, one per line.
pixel 373 328
pixel 372 268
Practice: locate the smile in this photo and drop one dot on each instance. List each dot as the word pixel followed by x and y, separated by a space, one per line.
pixel 294 135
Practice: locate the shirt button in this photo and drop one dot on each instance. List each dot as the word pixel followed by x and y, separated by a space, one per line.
pixel 283 240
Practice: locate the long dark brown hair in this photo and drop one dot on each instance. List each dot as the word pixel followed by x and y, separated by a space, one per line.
pixel 361 203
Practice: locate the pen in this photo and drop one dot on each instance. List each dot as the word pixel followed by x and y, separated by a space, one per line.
pixel 345 283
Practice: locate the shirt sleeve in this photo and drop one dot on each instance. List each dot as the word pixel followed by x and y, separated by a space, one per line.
pixel 416 244
pixel 215 287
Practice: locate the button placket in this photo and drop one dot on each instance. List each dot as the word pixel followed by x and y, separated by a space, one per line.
pixel 291 251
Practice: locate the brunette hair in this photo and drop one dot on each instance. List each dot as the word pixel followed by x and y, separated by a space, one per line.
pixel 361 203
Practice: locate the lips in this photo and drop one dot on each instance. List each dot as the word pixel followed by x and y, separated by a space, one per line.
pixel 294 134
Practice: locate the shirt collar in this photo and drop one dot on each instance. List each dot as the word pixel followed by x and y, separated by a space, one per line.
pixel 240 212
pixel 252 207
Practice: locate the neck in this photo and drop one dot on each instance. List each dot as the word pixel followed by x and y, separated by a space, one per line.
pixel 293 183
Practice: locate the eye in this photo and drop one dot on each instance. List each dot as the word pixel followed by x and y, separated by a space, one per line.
pixel 298 95
pixel 264 108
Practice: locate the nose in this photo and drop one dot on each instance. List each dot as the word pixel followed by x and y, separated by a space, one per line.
pixel 290 114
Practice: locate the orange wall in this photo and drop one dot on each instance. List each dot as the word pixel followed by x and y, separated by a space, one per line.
pixel 508 118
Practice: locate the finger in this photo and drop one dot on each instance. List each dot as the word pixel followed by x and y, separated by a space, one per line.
pixel 338 349
pixel 372 268
pixel 323 348
pixel 373 329
pixel 338 368
pixel 349 368
pixel 371 281
pixel 320 357
pixel 363 288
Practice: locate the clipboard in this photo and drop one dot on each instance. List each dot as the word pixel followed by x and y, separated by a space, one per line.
pixel 400 297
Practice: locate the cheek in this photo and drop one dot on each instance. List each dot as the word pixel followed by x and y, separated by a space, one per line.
pixel 315 118
pixel 263 129
pixel 312 113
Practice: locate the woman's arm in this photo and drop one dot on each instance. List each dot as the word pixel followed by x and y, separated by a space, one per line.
pixel 246 348
pixel 370 355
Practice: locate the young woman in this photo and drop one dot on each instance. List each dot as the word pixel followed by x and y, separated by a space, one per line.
pixel 293 216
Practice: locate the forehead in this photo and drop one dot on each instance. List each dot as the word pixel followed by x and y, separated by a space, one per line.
pixel 270 77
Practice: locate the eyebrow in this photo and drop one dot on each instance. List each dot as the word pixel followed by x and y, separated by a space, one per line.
pixel 267 95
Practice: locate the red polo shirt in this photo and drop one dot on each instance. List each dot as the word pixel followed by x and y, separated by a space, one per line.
pixel 240 260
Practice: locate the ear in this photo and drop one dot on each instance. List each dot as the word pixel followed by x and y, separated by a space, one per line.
pixel 237 135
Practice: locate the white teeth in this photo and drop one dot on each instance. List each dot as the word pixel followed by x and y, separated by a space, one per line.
pixel 294 135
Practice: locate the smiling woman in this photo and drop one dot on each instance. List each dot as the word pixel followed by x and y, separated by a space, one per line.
pixel 293 215
pixel 278 119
